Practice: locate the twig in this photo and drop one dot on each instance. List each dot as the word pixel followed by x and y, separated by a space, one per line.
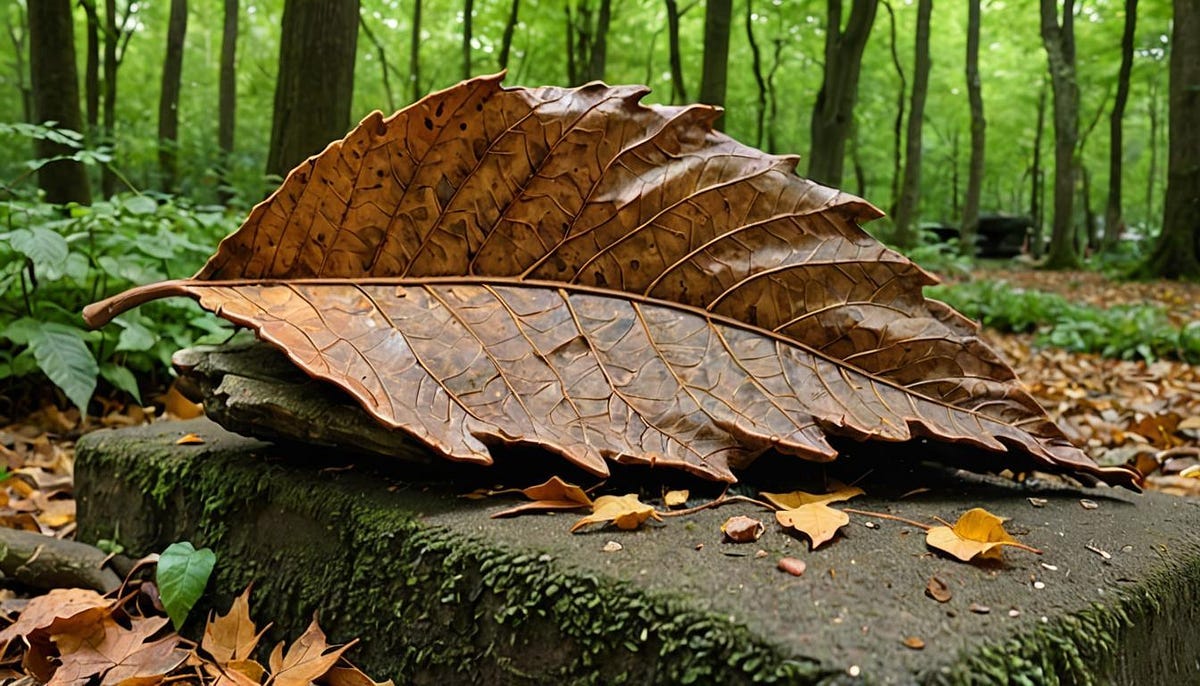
pixel 721 500
pixel 884 515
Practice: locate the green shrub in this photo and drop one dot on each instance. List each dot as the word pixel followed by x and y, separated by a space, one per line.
pixel 1124 331
pixel 54 260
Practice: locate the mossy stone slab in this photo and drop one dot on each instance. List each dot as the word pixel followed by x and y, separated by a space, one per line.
pixel 438 592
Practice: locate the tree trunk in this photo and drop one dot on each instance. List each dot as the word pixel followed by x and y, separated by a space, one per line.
pixel 112 37
pixel 414 54
pixel 1059 39
pixel 760 105
pixel 56 97
pixel 678 91
pixel 227 96
pixel 970 217
pixel 468 11
pixel 1091 227
pixel 598 60
pixel 1114 222
pixel 717 18
pixel 572 68
pixel 20 37
pixel 385 67
pixel 773 109
pixel 898 122
pixel 91 70
pixel 509 28
pixel 1177 254
pixel 908 209
pixel 315 82
pixel 168 101
pixel 1152 113
pixel 1036 174
pixel 833 112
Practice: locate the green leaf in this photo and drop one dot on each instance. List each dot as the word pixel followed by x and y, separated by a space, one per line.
pixel 21 330
pixel 140 204
pixel 122 379
pixel 182 575
pixel 46 248
pixel 64 358
pixel 135 337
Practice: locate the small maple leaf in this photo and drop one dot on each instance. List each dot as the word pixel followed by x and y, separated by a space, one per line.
pixel 675 498
pixel 555 494
pixel 231 637
pixel 307 660
pixel 624 511
pixel 795 499
pixel 977 534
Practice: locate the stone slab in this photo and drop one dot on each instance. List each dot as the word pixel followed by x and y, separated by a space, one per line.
pixel 438 592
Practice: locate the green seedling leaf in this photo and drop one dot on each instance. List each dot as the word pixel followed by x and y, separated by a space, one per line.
pixel 64 358
pixel 139 204
pixel 182 575
pixel 46 248
pixel 122 379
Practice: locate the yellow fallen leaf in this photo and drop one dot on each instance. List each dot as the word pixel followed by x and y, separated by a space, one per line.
pixel 816 520
pixel 189 439
pixel 977 533
pixel 176 405
pixel 675 498
pixel 554 494
pixel 625 511
pixel 795 499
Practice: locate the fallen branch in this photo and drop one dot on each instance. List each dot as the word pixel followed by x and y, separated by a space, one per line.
pixel 45 562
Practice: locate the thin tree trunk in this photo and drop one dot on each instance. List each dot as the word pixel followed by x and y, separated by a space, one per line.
pixel 168 101
pixel 1153 115
pixel 108 180
pixel 717 18
pixel 908 209
pixel 227 96
pixel 316 80
pixel 1114 222
pixel 898 122
pixel 414 55
pixel 760 105
pixel 970 217
pixel 1177 253
pixel 772 118
pixel 1059 39
pixel 598 60
pixel 572 73
pixel 91 70
pixel 55 89
pixel 384 66
pixel 468 12
pixel 1090 237
pixel 833 112
pixel 19 36
pixel 1036 175
pixel 509 28
pixel 678 90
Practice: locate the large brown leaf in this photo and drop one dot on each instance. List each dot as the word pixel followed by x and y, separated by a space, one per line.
pixel 572 269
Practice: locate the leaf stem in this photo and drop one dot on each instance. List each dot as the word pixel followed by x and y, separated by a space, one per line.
pixel 884 515
pixel 721 500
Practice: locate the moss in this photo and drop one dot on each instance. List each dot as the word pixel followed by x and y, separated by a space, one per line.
pixel 429 605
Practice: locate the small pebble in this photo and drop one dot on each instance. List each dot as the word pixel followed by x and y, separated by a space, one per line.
pixel 854 670
pixel 979 609
pixel 1038 502
pixel 1014 612
pixel 612 547
pixel 792 566
pixel 1053 568
pixel 1088 504
pixel 760 554
pixel 1039 585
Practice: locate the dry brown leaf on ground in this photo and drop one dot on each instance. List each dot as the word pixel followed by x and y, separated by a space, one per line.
pixel 571 269
pixel 794 499
pixel 817 520
pixel 306 660
pixel 233 636
pixel 349 676
pixel 624 512
pixel 554 494
pixel 676 498
pixel 112 653
pixel 978 534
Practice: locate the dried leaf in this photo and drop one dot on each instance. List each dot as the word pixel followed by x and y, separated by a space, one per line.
pixel 914 642
pixel 307 660
pixel 796 499
pixel 190 439
pixel 232 637
pixel 977 534
pixel 114 653
pixel 574 270
pixel 59 611
pixel 178 406
pixel 743 529
pixel 675 498
pixel 816 520
pixel 349 676
pixel 554 494
pixel 625 512
pixel 938 590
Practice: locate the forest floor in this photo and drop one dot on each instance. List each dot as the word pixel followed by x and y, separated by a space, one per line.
pixel 1120 410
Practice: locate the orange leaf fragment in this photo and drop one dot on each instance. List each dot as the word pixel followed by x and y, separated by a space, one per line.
pixel 818 521
pixel 742 529
pixel 307 660
pixel 977 533
pixel 624 511
pixel 675 498
pixel 938 590
pixel 914 642
pixel 795 499
pixel 554 494
pixel 190 439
